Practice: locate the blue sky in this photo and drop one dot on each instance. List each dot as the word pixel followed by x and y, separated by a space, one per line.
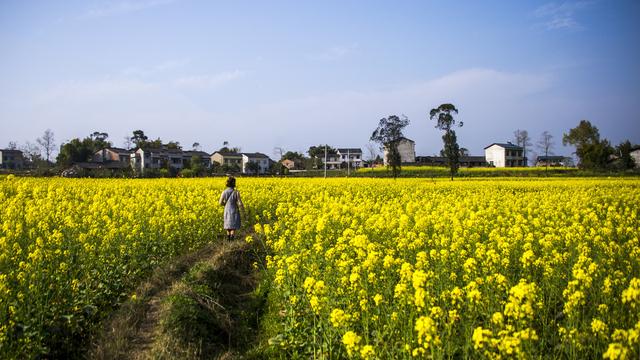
pixel 292 74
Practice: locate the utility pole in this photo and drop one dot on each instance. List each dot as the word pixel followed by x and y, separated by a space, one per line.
pixel 325 161
pixel 348 163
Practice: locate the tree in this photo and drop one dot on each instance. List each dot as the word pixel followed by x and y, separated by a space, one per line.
pixel 78 150
pixel 31 153
pixel 196 146
pixel 139 138
pixel 545 144
pixel 99 140
pixel 372 152
pixel 623 151
pixel 47 143
pixel 522 138
pixel 12 145
pixel 445 122
pixel 196 165
pixel 464 152
pixel 253 167
pixel 388 134
pixel 316 153
pixel 293 155
pixel 592 152
pixel 127 143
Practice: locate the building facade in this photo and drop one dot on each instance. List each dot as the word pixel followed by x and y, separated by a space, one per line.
pixel 351 156
pixel 505 155
pixel 407 150
pixel 11 159
pixel 229 159
pixel 260 159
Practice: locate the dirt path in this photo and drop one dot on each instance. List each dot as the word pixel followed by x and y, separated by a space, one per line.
pixel 133 331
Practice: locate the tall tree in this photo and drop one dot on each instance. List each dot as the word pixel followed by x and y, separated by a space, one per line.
pixel 12 145
pixel 139 138
pixel 99 140
pixel 522 138
pixel 316 153
pixel 623 151
pixel 47 143
pixel 196 146
pixel 445 121
pixel 31 153
pixel 388 134
pixel 592 151
pixel 545 145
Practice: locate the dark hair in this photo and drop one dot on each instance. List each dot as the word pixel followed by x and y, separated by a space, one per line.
pixel 231 182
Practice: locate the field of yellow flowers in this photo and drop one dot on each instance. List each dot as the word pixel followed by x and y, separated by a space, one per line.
pixel 362 268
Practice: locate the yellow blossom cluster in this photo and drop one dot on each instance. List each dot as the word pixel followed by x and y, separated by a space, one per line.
pixel 500 268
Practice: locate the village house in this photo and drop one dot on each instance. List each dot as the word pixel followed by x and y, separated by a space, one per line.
pixel 333 161
pixel 205 158
pixel 465 161
pixel 407 150
pixel 11 159
pixel 229 159
pixel 351 156
pixel 112 154
pixel 505 155
pixel 289 164
pixel 157 158
pixel 260 159
pixel 551 161
pixel 635 154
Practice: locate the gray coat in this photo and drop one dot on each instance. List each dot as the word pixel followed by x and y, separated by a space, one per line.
pixel 232 203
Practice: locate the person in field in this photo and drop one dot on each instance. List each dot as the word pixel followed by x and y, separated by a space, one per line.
pixel 232 203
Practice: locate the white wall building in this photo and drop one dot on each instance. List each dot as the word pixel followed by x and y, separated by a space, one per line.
pixel 407 150
pixel 505 155
pixel 261 159
pixel 351 156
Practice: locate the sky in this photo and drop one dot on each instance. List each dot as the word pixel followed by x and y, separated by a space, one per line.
pixel 267 75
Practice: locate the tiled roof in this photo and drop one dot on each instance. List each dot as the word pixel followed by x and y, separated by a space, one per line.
pixel 506 146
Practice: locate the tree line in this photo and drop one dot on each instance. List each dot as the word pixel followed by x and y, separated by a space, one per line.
pixel 593 152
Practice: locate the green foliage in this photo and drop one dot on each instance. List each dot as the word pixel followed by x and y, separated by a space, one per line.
pixel 78 150
pixel 593 152
pixel 623 151
pixel 388 134
pixel 445 122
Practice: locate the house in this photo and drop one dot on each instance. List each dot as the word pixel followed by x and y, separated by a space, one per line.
pixel 289 164
pixel 465 161
pixel 551 161
pixel 157 158
pixel 635 154
pixel 11 159
pixel 205 158
pixel 333 161
pixel 351 156
pixel 407 150
pixel 228 159
pixel 505 155
pixel 260 159
pixel 112 154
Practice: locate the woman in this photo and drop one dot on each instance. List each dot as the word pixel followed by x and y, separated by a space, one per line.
pixel 232 203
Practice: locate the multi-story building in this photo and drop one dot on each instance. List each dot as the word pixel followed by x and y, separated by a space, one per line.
pixel 505 155
pixel 407 150
pixel 11 159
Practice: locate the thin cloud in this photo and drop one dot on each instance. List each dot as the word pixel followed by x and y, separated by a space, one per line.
pixel 123 7
pixel 156 69
pixel 334 53
pixel 561 16
pixel 209 81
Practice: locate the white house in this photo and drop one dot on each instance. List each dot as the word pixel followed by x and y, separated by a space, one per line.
pixel 407 150
pixel 505 155
pixel 351 156
pixel 635 154
pixel 261 159
pixel 157 158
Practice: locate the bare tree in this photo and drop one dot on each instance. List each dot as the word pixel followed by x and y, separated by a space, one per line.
pixel 47 143
pixel 127 143
pixel 12 145
pixel 545 144
pixel 522 139
pixel 373 151
pixel 31 152
pixel 278 152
